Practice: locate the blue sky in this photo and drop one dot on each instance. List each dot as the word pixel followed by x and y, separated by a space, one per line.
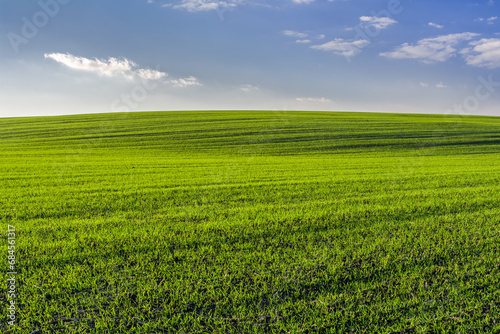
pixel 74 56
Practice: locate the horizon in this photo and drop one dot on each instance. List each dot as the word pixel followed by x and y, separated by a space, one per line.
pixel 250 110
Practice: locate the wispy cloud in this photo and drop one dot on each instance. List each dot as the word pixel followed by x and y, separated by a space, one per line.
pixel 296 34
pixel 247 88
pixel 483 53
pixel 377 22
pixel 431 50
pixel 301 36
pixel 490 20
pixel 435 25
pixel 342 47
pixel 438 85
pixel 184 82
pixel 120 68
pixel 110 67
pixel 313 99
pixel 204 5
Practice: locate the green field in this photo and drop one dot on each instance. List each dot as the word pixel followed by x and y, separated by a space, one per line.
pixel 252 222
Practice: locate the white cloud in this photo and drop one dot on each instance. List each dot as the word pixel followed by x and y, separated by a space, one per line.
pixel 150 74
pixel 490 20
pixel 113 67
pixel 431 50
pixel 110 67
pixel 204 5
pixel 301 36
pixel 484 53
pixel 377 22
pixel 342 47
pixel 247 88
pixel 313 99
pixel 184 82
pixel 439 85
pixel 291 33
pixel 435 25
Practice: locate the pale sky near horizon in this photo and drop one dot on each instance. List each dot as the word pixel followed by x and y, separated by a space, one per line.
pixel 73 56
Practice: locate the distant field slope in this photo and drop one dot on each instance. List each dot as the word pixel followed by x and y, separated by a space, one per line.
pixel 251 222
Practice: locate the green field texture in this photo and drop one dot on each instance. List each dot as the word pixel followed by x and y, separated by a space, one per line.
pixel 252 222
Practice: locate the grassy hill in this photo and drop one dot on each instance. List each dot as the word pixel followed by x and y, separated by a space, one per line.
pixel 252 221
